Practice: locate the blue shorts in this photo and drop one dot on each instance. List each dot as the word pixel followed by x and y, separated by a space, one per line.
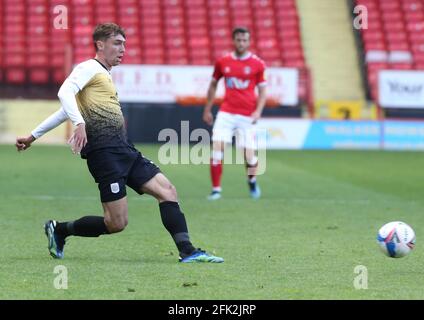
pixel 115 168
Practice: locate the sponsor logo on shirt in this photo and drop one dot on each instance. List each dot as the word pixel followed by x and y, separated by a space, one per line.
pixel 236 83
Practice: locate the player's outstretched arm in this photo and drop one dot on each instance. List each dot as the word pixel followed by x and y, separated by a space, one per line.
pixel 23 143
pixel 207 112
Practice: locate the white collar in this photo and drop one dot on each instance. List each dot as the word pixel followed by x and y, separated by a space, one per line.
pixel 246 56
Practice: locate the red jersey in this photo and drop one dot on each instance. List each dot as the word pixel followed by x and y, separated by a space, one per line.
pixel 241 76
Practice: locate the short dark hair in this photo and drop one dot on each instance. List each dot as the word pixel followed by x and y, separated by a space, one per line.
pixel 237 30
pixel 105 30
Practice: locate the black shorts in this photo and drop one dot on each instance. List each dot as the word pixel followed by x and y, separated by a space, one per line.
pixel 115 168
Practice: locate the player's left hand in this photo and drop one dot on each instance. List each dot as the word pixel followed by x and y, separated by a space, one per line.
pixel 255 116
pixel 23 143
pixel 78 140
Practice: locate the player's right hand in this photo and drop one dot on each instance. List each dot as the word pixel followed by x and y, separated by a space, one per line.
pixel 208 117
pixel 23 143
pixel 78 140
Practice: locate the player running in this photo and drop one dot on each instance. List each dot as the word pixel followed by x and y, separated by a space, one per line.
pixel 89 99
pixel 238 114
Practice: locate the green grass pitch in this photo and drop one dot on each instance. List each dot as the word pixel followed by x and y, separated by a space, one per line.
pixel 317 221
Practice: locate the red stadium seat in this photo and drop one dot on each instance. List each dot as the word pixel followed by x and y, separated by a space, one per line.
pixel 201 61
pixel 216 3
pixel 39 76
pixel 174 32
pixel 221 22
pixel 270 54
pixel 394 26
pixel 149 53
pixel 390 5
pixel 390 17
pixel 398 46
pixel 178 61
pixel 219 13
pixel 239 3
pixel 413 6
pixel 200 54
pixel 417 48
pixel 14 59
pixel 220 43
pixel 415 26
pixel 15 75
pixel 277 62
pixel 197 32
pixel 401 66
pixel 295 63
pixel 199 42
pixel 58 75
pixel 289 34
pixel 267 13
pixel 293 54
pixel 197 22
pixel 419 58
pixel 419 66
pixel 57 59
pixel 416 36
pixel 132 56
pixel 216 54
pixel 158 31
pixel 175 42
pixel 373 67
pixel 220 33
pixel 373 36
pixel 395 37
pixel 375 45
pixel 153 60
pixel 260 4
pixel 176 53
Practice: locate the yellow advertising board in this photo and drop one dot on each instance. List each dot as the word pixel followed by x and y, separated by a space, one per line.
pixel 345 110
pixel 19 117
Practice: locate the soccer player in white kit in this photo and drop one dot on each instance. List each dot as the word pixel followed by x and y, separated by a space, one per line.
pixel 89 98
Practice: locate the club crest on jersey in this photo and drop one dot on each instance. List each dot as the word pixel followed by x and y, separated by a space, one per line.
pixel 236 83
pixel 247 70
pixel 227 69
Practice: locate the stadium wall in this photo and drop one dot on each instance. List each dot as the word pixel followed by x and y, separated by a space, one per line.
pixel 145 121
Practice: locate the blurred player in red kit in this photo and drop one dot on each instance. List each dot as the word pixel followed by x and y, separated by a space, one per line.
pixel 243 71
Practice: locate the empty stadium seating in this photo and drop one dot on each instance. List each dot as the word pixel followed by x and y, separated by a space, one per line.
pixel 37 36
pixel 394 38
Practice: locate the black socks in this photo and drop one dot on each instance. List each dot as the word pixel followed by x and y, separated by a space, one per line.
pixel 174 221
pixel 88 226
pixel 172 218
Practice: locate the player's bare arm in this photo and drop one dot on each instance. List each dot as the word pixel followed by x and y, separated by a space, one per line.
pixel 260 104
pixel 207 112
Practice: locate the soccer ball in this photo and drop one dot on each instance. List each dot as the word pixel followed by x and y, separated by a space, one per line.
pixel 396 239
